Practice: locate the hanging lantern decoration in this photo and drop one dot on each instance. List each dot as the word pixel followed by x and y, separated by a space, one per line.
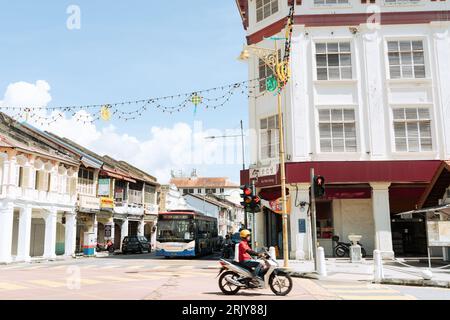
pixel 271 83
pixel 105 113
pixel 196 100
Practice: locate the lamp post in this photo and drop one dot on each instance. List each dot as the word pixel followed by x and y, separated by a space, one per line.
pixel 271 59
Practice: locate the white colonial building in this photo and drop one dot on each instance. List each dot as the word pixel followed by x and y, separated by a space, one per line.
pixel 367 106
pixel 38 196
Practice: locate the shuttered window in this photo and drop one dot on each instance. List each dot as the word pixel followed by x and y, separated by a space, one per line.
pixel 333 61
pixel 265 8
pixel 269 137
pixel 412 129
pixel 86 181
pixel 337 129
pixel 406 59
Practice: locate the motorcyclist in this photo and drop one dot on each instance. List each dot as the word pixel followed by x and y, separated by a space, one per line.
pixel 246 253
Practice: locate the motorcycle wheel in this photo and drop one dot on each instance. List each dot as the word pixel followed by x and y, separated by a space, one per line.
pixel 226 287
pixel 363 253
pixel 280 284
pixel 340 252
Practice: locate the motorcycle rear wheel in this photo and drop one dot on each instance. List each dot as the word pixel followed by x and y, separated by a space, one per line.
pixel 280 284
pixel 340 252
pixel 226 287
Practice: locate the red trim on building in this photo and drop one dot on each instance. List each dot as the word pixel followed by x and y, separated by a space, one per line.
pixel 354 172
pixel 350 19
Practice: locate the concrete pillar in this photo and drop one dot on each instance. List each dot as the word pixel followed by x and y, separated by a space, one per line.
pixel 123 231
pixel 382 218
pixel 6 231
pixel 300 241
pixel 50 234
pixel 23 245
pixel 141 228
pixel 70 235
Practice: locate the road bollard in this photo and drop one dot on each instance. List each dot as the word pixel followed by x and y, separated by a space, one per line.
pixel 272 252
pixel 236 252
pixel 378 274
pixel 322 264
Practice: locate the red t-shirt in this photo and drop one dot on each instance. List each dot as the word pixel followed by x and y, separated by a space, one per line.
pixel 243 255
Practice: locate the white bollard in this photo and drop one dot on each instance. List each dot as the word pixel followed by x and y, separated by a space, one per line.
pixel 427 274
pixel 321 262
pixel 273 253
pixel 378 273
pixel 236 252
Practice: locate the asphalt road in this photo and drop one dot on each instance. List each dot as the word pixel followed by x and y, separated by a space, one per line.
pixel 145 277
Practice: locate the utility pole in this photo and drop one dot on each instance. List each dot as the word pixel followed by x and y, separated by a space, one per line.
pixel 313 219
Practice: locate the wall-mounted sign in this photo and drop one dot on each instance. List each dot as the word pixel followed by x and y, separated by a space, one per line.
pixel 106 203
pixel 257 173
pixel 104 187
pixel 108 231
pixel 302 225
pixel 276 205
pixel 438 233
pixel 89 202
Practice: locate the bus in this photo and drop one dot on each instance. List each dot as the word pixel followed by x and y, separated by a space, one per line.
pixel 185 233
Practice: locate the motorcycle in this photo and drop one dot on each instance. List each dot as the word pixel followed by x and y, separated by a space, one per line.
pixel 342 249
pixel 227 251
pixel 108 246
pixel 233 277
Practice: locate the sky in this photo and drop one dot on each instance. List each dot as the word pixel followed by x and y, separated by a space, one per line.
pixel 128 50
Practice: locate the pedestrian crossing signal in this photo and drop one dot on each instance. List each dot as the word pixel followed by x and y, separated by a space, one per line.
pixel 319 186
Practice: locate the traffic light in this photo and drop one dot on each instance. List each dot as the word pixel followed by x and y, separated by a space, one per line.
pixel 319 186
pixel 250 201
pixel 247 197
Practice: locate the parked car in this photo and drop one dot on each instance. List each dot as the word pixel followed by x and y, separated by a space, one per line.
pixel 135 244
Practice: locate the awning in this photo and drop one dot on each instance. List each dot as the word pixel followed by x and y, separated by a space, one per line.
pixel 88 163
pixel 117 176
pixel 445 209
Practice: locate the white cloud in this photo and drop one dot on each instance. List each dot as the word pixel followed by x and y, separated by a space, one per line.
pixel 159 151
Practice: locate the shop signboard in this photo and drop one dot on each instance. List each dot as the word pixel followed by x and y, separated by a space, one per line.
pixel 276 205
pixel 104 187
pixel 89 202
pixel 106 203
pixel 438 233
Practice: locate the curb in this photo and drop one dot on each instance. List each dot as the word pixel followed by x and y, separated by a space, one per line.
pixel 305 275
pixel 416 283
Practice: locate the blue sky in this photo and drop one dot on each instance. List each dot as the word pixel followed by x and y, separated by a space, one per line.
pixel 127 50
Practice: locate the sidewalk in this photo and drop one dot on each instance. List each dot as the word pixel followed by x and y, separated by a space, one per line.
pixel 394 273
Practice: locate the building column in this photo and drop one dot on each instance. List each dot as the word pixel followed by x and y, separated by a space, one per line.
pixel 123 231
pixel 382 218
pixel 70 234
pixel 141 228
pixel 6 231
pixel 23 245
pixel 50 234
pixel 300 239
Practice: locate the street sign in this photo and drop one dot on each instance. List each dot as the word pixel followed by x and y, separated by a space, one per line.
pixel 256 173
pixel 301 226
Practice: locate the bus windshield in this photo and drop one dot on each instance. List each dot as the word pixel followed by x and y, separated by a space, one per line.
pixel 176 230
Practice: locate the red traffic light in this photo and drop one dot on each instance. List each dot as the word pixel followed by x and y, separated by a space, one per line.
pixel 247 191
pixel 256 200
pixel 320 181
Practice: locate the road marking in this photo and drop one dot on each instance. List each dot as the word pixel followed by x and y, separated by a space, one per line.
pixel 116 279
pixel 145 277
pixel 135 267
pixel 58 267
pixel 10 286
pixel 407 297
pixel 374 291
pixel 48 283
pixel 366 286
pixel 314 289
pixel 109 267
pixel 35 267
pixel 186 268
pixel 89 281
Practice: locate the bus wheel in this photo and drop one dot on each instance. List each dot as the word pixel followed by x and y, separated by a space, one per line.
pixel 227 287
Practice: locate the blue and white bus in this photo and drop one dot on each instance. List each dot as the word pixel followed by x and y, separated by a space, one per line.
pixel 185 234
